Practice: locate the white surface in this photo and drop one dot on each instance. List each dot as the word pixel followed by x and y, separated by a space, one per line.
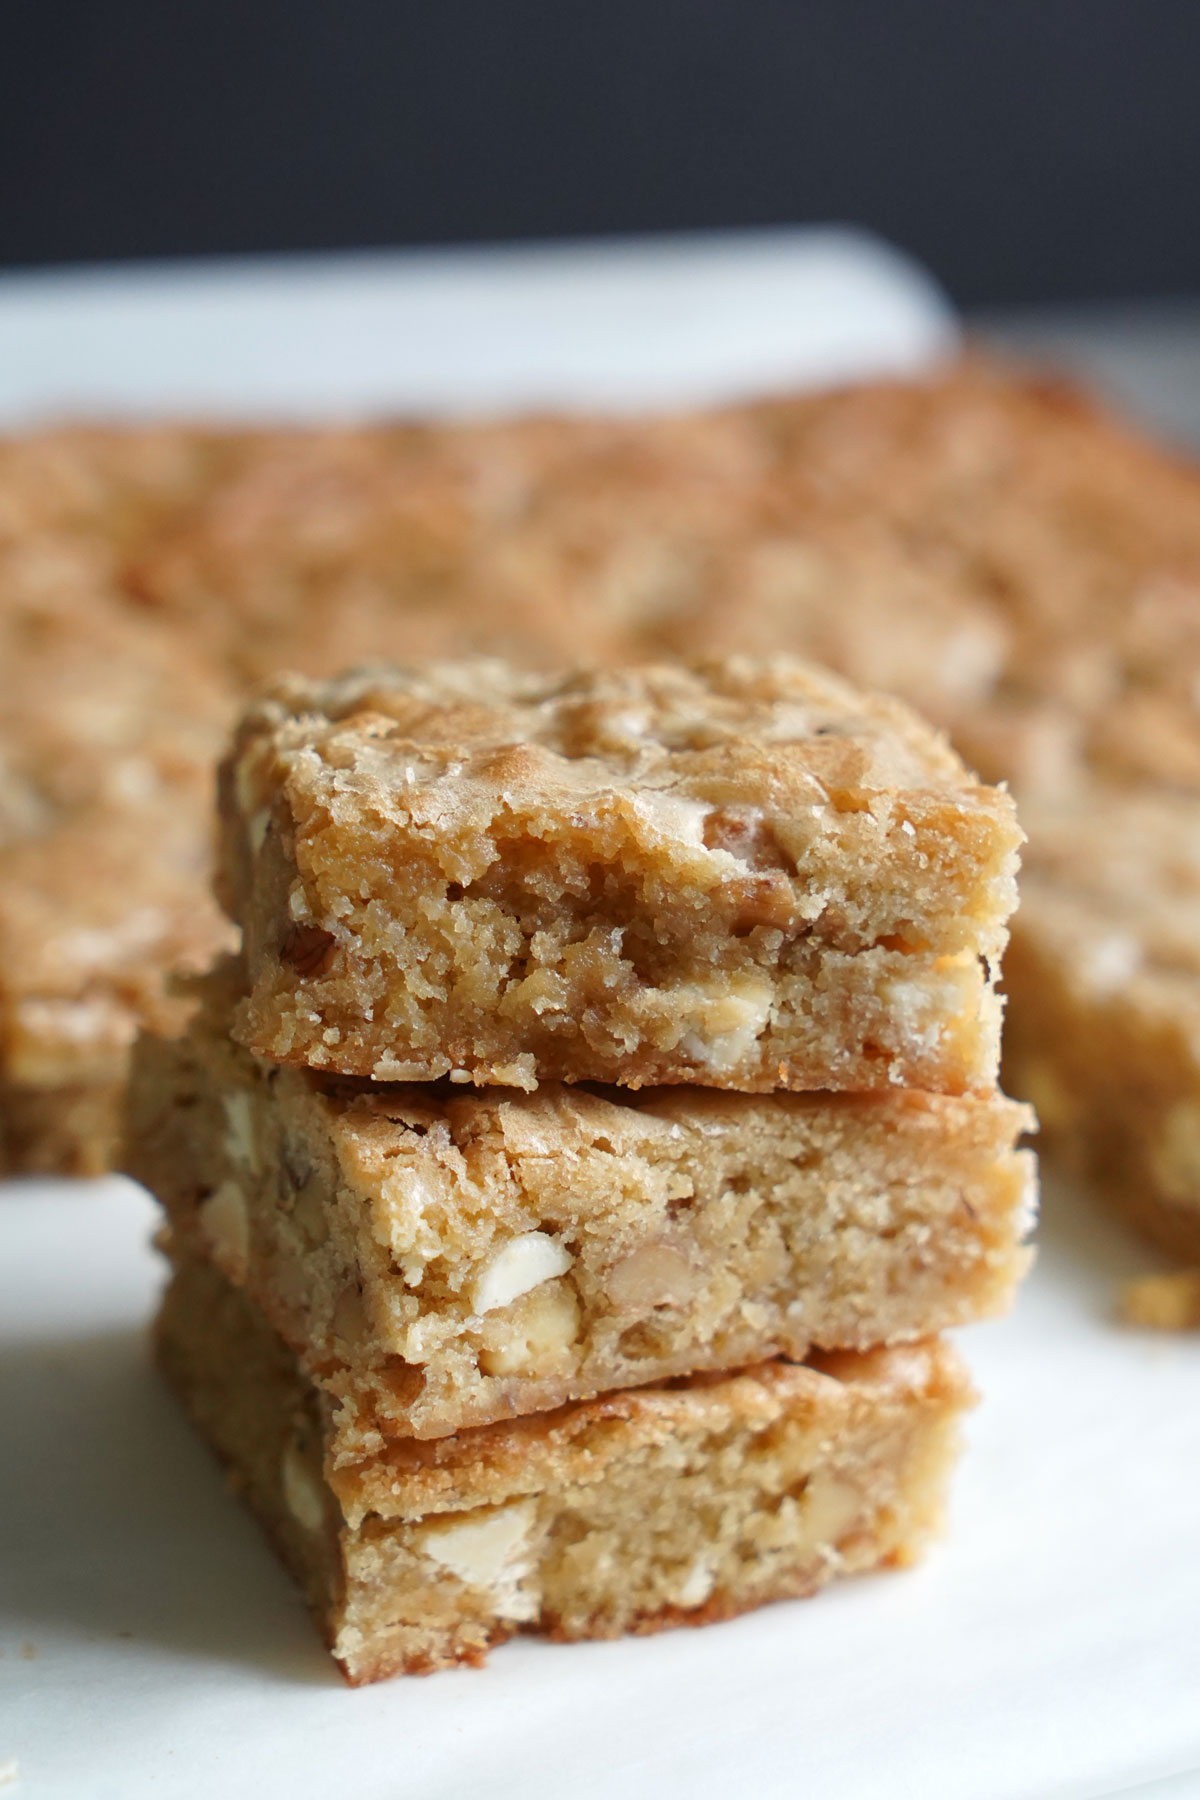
pixel 1050 1648
pixel 1143 355
pixel 1049 1651
pixel 628 324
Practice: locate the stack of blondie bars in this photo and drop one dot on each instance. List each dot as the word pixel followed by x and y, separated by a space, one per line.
pixel 569 1182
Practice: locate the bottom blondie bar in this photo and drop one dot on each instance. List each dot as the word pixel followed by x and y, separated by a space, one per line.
pixel 652 1507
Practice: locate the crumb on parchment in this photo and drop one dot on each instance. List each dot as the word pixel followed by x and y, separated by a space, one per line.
pixel 1168 1302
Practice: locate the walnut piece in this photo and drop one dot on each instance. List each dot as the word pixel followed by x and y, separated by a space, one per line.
pixel 225 1222
pixel 307 949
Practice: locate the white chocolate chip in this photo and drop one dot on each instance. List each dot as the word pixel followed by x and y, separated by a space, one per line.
pixel 489 1549
pixel 725 1020
pixel 350 1316
pixel 240 1142
pixel 923 1004
pixel 132 780
pixel 523 1263
pixel 675 816
pixel 828 1510
pixel 302 1493
pixel 970 662
pixel 1110 962
pixel 250 787
pixel 258 827
pixel 225 1222
pixel 696 1585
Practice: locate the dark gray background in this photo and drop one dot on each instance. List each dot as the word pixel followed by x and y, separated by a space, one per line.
pixel 1026 149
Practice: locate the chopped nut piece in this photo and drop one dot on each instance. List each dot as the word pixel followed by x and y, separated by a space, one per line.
pixel 534 1340
pixel 303 1493
pixel 655 1275
pixel 240 1138
pixel 224 1220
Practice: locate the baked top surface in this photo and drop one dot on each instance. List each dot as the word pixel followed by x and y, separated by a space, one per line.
pixel 657 728
pixel 740 873
pixel 763 770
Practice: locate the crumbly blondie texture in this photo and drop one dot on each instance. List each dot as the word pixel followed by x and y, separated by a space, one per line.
pixel 656 1507
pixel 440 1258
pixel 742 875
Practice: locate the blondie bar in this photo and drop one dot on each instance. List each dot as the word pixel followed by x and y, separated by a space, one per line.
pixel 655 1507
pixel 1104 973
pixel 742 875
pixel 97 908
pixel 439 1257
pixel 108 733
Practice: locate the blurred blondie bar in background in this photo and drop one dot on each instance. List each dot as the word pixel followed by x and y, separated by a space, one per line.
pixel 1020 566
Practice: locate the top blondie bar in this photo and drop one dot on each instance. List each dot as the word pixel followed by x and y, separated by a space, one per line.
pixel 743 874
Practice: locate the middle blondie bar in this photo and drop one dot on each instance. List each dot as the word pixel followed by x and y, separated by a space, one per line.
pixel 743 876
pixel 440 1258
